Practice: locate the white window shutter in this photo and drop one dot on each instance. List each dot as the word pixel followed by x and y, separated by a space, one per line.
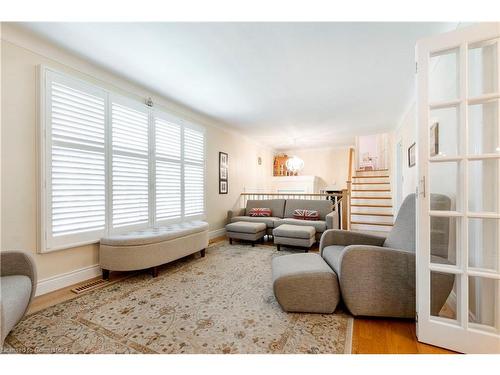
pixel 194 172
pixel 167 169
pixel 130 168
pixel 75 146
pixel 111 164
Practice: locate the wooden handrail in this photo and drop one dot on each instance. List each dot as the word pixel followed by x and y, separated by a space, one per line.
pixel 349 190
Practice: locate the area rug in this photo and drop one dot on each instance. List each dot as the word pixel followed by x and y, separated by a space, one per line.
pixel 222 303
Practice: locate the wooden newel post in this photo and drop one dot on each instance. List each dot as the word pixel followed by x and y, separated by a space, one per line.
pixel 345 208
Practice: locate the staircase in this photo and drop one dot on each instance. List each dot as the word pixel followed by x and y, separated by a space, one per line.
pixel 371 201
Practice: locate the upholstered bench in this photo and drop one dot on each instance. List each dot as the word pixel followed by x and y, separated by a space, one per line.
pixel 305 283
pixel 152 247
pixel 294 235
pixel 243 230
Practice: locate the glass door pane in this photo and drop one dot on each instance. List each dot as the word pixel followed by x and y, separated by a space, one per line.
pixel 484 242
pixel 444 132
pixel 484 185
pixel 445 180
pixel 484 135
pixel 443 76
pixel 483 302
pixel 444 292
pixel 483 68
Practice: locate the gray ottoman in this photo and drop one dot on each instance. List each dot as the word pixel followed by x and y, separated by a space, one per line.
pixel 243 230
pixel 294 235
pixel 305 283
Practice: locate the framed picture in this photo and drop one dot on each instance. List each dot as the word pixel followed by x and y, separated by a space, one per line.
pixel 434 139
pixel 411 156
pixel 223 173
pixel 222 187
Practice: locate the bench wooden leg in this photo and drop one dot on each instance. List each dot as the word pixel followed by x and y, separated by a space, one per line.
pixel 253 244
pixel 154 271
pixel 105 274
pixel 202 252
pixel 230 241
pixel 278 246
pixel 307 250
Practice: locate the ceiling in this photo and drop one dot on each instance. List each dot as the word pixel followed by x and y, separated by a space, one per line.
pixel 286 85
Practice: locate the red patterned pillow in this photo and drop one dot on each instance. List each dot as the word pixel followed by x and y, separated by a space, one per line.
pixel 300 214
pixel 260 212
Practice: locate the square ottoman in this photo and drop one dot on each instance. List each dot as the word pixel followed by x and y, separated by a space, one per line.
pixel 242 230
pixel 294 235
pixel 305 283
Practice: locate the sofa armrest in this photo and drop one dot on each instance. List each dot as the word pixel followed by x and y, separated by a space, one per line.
pixel 332 220
pixel 234 213
pixel 19 263
pixel 346 238
pixel 378 281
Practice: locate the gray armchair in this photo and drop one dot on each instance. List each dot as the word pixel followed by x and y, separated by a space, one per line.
pixel 17 288
pixel 377 274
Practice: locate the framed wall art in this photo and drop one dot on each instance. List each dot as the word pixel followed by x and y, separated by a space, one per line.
pixel 223 173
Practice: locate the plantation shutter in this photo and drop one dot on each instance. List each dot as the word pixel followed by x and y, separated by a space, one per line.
pixel 194 172
pixel 75 156
pixel 130 164
pixel 168 169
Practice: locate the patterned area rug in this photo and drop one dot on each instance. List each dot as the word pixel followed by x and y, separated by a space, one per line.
pixel 222 303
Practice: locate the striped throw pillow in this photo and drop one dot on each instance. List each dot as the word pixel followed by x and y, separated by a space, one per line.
pixel 301 214
pixel 260 212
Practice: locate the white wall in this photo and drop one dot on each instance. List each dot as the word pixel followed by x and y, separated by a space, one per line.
pixel 329 164
pixel 21 53
pixel 406 133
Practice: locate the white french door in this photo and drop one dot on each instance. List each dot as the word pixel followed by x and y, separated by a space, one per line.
pixel 458 230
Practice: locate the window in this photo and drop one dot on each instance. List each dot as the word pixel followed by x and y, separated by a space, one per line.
pixel 111 164
pixel 168 170
pixel 194 151
pixel 130 165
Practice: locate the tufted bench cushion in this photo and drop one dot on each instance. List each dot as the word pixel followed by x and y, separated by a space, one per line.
pixel 153 235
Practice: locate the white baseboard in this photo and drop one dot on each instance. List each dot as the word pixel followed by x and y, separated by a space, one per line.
pixel 53 283
pixel 216 233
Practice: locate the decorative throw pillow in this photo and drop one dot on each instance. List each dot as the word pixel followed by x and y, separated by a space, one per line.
pixel 301 214
pixel 260 212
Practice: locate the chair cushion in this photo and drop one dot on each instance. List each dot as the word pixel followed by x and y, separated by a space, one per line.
pixel 402 235
pixel 260 212
pixel 277 206
pixel 246 227
pixel 324 207
pixel 331 255
pixel 16 292
pixel 319 225
pixel 294 231
pixel 269 221
pixel 155 235
pixel 310 215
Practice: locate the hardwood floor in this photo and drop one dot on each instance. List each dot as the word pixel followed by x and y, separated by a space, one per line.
pixel 370 335
pixel 389 336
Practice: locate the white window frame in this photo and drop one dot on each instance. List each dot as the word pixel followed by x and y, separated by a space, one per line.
pixel 45 241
